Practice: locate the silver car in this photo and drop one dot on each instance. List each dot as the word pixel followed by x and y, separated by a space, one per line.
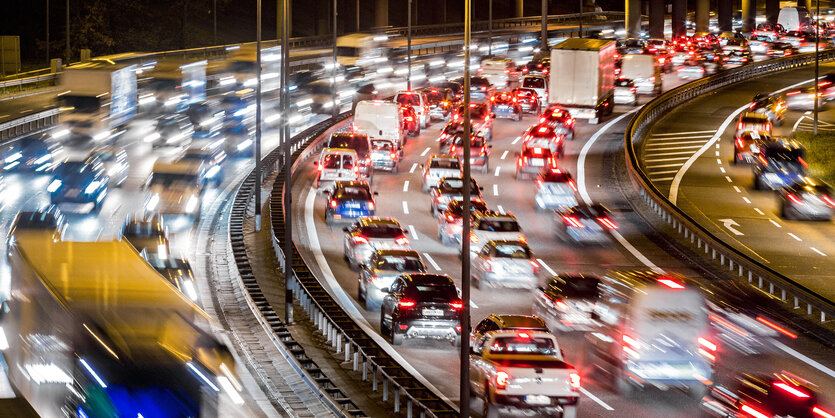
pixel 808 199
pixel 566 302
pixel 555 188
pixel 584 224
pixel 379 273
pixel 438 167
pixel 489 226
pixel 505 263
pixel 370 234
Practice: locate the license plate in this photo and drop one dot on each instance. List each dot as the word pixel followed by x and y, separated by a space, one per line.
pixel 433 312
pixel 537 162
pixel 352 205
pixel 537 400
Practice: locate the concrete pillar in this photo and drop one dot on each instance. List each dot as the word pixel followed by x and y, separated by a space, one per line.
pixel 381 13
pixel 702 15
pixel 772 10
pixel 678 18
pixel 633 18
pixel 520 8
pixel 279 18
pixel 749 14
pixel 725 13
pixel 657 9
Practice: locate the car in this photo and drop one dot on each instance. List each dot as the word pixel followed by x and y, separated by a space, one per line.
pixel 36 153
pixel 177 271
pixel 385 155
pixel 335 165
pixel 805 99
pixel 555 188
pixel 493 226
pixel 657 46
pixel 369 234
pixel 505 263
pixel 503 322
pixel 49 219
pixel 449 189
pixel 807 199
pixel 210 161
pixel 566 302
pixel 544 136
pixel 175 190
pixel 737 57
pixel 410 121
pixel 537 83
pixel 418 101
pixel 511 370
pixel 584 224
pixel 441 100
pixel 772 106
pixel 439 166
pixel 380 271
pixel 480 89
pixel 115 162
pixel 533 160
pixel 632 46
pixel 781 49
pixel 348 201
pixel 479 150
pixel 691 69
pixel 505 105
pixel 500 72
pixel 779 163
pixel 171 131
pixel 753 121
pixel 206 118
pixel 625 92
pixel 147 234
pixel 763 395
pixel 450 129
pixel 560 120
pixel 528 99
pixel 481 119
pixel 81 185
pixel 450 220
pixel 456 88
pixel 360 143
pixel 747 146
pixel 422 305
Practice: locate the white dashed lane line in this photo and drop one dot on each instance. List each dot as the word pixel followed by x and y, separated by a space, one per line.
pixel 426 151
pixel 736 189
pixel 759 211
pixel 406 186
pixel 728 178
pixel 432 261
pixel 414 167
pixel 516 140
pixel 413 232
pixel 722 169
pixel 794 236
pixel 498 169
pixel 596 399
pixel 495 190
pixel 504 154
pixel 501 209
pixel 546 267
pixel 405 207
pixel 719 161
pixel 775 223
pixel 747 200
pixel 817 251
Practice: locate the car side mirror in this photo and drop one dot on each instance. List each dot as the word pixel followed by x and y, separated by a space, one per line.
pixel 376 194
pixel 344 229
pixel 385 290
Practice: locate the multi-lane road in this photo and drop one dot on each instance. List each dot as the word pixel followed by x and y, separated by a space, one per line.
pixel 596 160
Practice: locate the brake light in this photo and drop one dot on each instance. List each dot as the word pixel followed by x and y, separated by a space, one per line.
pixel 802 162
pixel 501 380
pixel 333 203
pixel 607 223
pixel 572 221
pixel 791 389
pixel 408 118
pixel 828 201
pixel 792 93
pixel 450 218
pixel 777 328
pixel 762 160
pixel 572 185
pixel 393 156
pixel 560 305
pixel 456 305
pixel 401 241
pixel 739 143
pixel 672 284
pixel 794 199
pixel 370 205
pixel 537 151
pixel 407 303
pixel 360 240
pixel 704 342
pixel 822 413
pixel 541 120
pixel 575 381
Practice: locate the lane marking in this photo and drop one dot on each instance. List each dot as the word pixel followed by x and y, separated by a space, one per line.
pixel 516 140
pixel 662 147
pixel 499 168
pixel 795 237
pixel 495 190
pixel 406 186
pixel 584 193
pixel 729 179
pixel 414 167
pixel 500 208
pixel 677 181
pixel 717 145
pixel 667 159
pixel 718 161
pixel 730 224
pixel 683 133
pixel 804 359
pixel 658 154
pixel 775 223
pixel 426 151
pixel 663 165
pixel 432 261
pixel 747 200
pixel 717 153
pixel 722 169
pixel 405 207
pixel 662 179
pixel 759 211
pixel 473 305
pixel 703 138
pixel 596 399
pixel 546 267
pixel 808 112
pixel 794 128
pixel 736 189
pixel 413 232
pixel 504 154
pixel 662 172
pixel 817 251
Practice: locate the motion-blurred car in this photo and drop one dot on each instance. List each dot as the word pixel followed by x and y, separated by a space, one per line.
pixel 493 226
pixel 625 92
pixel 560 120
pixel 479 151
pixel 79 185
pixel 348 201
pixel 528 99
pixel 171 131
pixel 500 71
pixel 691 69
pixel 449 189
pixel 449 131
pixel 506 105
pixel 537 83
pixel 206 118
pixel 147 234
pixel 360 143
pixel 772 106
pixel 440 101
pixel 335 165
pixel 367 235
pixel 438 167
pixel 177 271
pixel 779 164
pixel 761 395
pixel 115 161
pixel 422 305
pixel 380 271
pixel 566 302
pixel 781 49
pixel 33 153
pixel 737 57
pixel 505 263
pixel 419 102
pixel 555 188
pixel 747 146
pixel 481 119
pixel 451 221
pixel 531 161
pixel 176 190
pixel 410 120
pixel 385 155
pixel 752 121
pixel 807 199
pixel 503 322
pixel 49 219
pixel 209 160
pixel 804 99
pixel 584 224
pixel 544 136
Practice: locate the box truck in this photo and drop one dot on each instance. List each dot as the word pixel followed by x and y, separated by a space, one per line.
pixel 171 86
pixel 582 77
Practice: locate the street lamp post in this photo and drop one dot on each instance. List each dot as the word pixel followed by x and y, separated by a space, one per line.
pixel 67 52
pixel 464 382
pixel 257 152
pixel 817 59
pixel 214 21
pixel 409 47
pixel 47 32
pixel 544 35
pixel 335 107
pixel 288 152
pixel 490 28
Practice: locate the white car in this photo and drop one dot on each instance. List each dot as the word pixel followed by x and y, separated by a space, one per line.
pixel 502 263
pixel 438 167
pixel 625 92
pixel 493 226
pixel 370 234
pixel 336 164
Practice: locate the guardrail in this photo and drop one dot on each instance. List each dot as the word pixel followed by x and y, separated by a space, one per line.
pixel 26 124
pixel 797 298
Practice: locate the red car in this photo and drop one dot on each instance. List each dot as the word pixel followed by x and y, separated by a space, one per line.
pixel 560 120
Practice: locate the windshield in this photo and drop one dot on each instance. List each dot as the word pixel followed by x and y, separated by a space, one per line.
pixel 499 225
pixel 458 184
pixel 381 231
pixel 448 163
pixel 354 193
pixel 168 179
pixel 197 157
pixel 476 141
pixel 523 344
pixel 408 99
pixel 80 104
pixel 513 251
pixel 382 145
pixel 456 208
pixel 534 82
pixel 332 161
pixel 580 287
pixel 399 263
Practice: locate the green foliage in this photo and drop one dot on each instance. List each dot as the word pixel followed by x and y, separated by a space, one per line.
pixel 820 154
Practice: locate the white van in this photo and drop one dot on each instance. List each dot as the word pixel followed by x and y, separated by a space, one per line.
pixel 499 71
pixel 644 71
pixel 380 119
pixel 794 18
pixel 336 164
pixel 537 83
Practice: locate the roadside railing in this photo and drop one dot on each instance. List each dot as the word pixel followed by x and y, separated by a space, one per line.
pixel 26 124
pixel 797 298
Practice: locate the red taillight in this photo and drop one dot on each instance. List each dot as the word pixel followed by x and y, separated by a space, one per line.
pixel 777 328
pixel 573 222
pixel 360 240
pixel 333 203
pixel 488 265
pixel 408 118
pixel 793 390
pixel 707 349
pixel 704 342
pixel 501 380
pixel 401 241
pixel 522 238
pixel 802 162
pixel 370 205
pixel 672 284
pixel 607 223
pixel 560 305
pixel 572 185
pixel 393 156
pixel 450 218
pixel 456 305
pixel 575 381
pixel 739 126
pixel 739 143
pixel 407 303
pixel 820 412
pixel 792 93
pixel 828 201
pixel 794 199
pixel 762 160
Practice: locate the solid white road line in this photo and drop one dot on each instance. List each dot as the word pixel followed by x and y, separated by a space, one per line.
pixel 661 172
pixel 794 128
pixel 759 211
pixel 792 352
pixel 664 147
pixel 666 159
pixel 498 169
pixel 504 154
pixel 347 302
pixel 684 133
pixel 794 236
pixel 406 186
pixel 546 267
pixel 677 181
pixel 775 223
pixel 817 251
pixel 413 232
pixel 500 208
pixel 414 167
pixel 662 179
pixel 405 207
pixel 596 399
pixel 426 151
pixel 671 140
pixel 584 193
pixel 736 188
pixel 495 190
pixel 432 261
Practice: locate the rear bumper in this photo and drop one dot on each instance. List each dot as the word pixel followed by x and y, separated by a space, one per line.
pixel 587 236
pixel 518 401
pixel 438 329
pixel 511 280
pixel 548 201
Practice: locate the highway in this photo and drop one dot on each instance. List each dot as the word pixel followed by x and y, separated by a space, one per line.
pixel 596 160
pixel 721 197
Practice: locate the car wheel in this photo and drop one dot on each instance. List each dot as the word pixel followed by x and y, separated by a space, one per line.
pixel 383 329
pixel 623 387
pixel 361 297
pixel 396 337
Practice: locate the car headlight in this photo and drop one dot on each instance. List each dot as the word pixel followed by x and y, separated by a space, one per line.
pixel 192 204
pixel 212 172
pixel 14 157
pixel 153 202
pixel 162 251
pixel 188 289
pixel 60 133
pixel 101 136
pixel 244 144
pixel 92 187
pixel 54 186
pixel 152 137
pixel 43 159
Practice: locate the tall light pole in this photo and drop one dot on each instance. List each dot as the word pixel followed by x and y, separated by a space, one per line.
pixel 490 28
pixel 581 18
pixel 464 382
pixel 214 22
pixel 817 59
pixel 67 52
pixel 288 152
pixel 544 35
pixel 257 152
pixel 47 32
pixel 334 108
pixel 409 46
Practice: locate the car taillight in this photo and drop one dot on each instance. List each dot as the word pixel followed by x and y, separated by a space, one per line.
pixel 501 380
pixel 739 143
pixel 535 265
pixel 572 185
pixel 762 160
pixel 572 221
pixel 371 205
pixel 631 345
pixel 828 201
pixel 452 149
pixel 707 348
pixel 333 203
pixel 407 303
pixel 821 413
pixel 752 412
pixel 607 223
pixel 360 240
pixel 456 305
pixel 401 241
pixel 560 305
pixel 575 381
pixel 393 156
pixel 521 238
pixel 794 199
pixel 483 150
pixel 792 390
pixel 450 218
pixel 776 327
pixel 792 93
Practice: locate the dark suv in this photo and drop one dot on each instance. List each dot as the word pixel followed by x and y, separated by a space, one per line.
pixel 359 143
pixel 498 322
pixel 422 305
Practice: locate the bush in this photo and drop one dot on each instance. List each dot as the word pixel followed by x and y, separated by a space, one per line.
pixel 820 154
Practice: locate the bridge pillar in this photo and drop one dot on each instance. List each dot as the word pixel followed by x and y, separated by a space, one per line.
pixel 703 15
pixel 749 14
pixel 772 10
pixel 679 14
pixel 725 13
pixel 633 18
pixel 657 9
pixel 520 8
pixel 381 13
pixel 279 18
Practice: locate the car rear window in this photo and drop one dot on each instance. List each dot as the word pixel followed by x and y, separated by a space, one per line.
pixel 556 177
pixel 381 231
pixel 753 119
pixel 476 141
pixel 401 264
pixel 353 192
pixel 332 161
pixel 537 152
pixel 524 93
pixel 580 287
pixel 448 163
pixel 432 292
pixel 358 143
pixel 408 99
pixel 475 206
pixel 459 184
pixel 499 225
pixel 534 82
pixel 513 251
pixel 523 344
pixel 381 145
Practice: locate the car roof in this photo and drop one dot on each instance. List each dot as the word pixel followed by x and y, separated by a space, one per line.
pixel 507 321
pixel 374 220
pixel 177 168
pixel 415 278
